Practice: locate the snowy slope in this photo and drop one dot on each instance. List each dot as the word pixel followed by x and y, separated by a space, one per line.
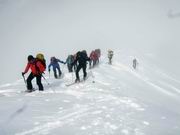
pixel 122 101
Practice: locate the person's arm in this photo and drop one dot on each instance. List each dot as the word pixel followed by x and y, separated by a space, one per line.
pixel 87 58
pixel 27 68
pixel 58 60
pixel 67 59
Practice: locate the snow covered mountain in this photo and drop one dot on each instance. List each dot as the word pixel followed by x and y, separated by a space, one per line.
pixel 122 101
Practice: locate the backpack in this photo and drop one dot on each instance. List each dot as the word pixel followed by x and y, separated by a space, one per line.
pixel 70 59
pixel 40 57
pixel 98 51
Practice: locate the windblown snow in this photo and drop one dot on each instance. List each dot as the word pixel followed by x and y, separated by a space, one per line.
pixel 121 101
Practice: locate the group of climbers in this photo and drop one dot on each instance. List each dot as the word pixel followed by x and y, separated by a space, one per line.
pixel 37 65
pixel 110 56
pixel 74 63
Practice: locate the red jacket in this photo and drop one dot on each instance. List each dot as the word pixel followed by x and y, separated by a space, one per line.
pixel 93 55
pixel 36 67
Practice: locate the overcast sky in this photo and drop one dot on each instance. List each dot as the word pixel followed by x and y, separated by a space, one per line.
pixel 61 27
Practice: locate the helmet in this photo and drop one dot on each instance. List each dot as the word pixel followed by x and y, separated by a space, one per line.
pixel 40 56
pixel 30 57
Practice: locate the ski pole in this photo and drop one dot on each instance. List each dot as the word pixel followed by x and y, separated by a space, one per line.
pixel 24 79
pixel 92 76
pixel 49 74
pixel 48 83
pixel 45 80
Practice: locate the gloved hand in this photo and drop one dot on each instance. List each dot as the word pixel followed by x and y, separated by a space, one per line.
pixel 23 73
pixel 49 70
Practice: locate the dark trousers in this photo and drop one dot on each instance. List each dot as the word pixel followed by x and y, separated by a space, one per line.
pixel 84 71
pixel 75 67
pixel 55 72
pixel 90 63
pixel 38 81
pixel 70 67
pixel 110 60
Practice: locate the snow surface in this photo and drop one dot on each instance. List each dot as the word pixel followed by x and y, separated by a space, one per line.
pixel 122 101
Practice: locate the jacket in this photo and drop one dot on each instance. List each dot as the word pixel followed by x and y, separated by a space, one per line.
pixel 36 67
pixel 55 63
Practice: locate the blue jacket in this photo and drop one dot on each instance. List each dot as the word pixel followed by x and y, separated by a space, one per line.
pixel 55 64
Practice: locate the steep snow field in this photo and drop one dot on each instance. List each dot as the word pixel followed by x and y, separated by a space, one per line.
pixel 122 101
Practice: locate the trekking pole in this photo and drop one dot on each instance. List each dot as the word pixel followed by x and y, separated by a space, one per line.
pixel 45 80
pixel 48 83
pixel 24 79
pixel 49 74
pixel 92 76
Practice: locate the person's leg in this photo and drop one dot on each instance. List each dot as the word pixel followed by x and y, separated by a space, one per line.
pixel 55 73
pixel 75 67
pixel 77 73
pixel 110 60
pixel 90 62
pixel 68 67
pixel 29 83
pixel 84 72
pixel 38 81
pixel 59 71
pixel 98 60
pixel 94 63
pixel 71 68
